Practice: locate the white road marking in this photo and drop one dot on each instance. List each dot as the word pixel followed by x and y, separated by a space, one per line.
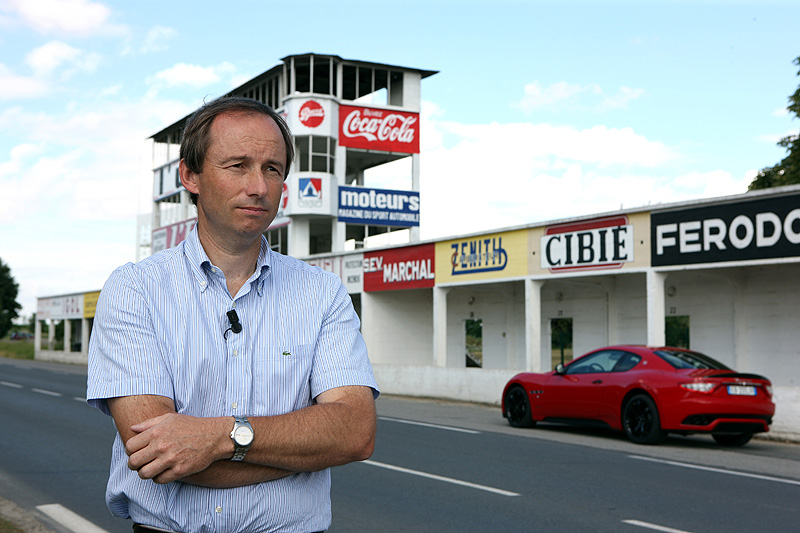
pixel 68 519
pixel 718 470
pixel 79 399
pixel 653 526
pixel 13 385
pixel 424 424
pixel 442 478
pixel 47 392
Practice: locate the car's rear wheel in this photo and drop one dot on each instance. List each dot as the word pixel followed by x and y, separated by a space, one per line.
pixel 518 408
pixel 641 421
pixel 736 439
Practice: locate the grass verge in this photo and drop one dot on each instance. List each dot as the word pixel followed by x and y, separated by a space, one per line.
pixel 16 349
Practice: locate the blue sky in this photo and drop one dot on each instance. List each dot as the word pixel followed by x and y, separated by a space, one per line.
pixel 541 110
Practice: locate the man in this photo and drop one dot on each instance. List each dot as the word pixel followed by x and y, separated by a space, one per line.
pixel 236 376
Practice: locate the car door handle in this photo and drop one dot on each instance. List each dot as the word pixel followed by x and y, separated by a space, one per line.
pixel 597 381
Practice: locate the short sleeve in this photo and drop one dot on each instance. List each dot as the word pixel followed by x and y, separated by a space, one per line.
pixel 125 356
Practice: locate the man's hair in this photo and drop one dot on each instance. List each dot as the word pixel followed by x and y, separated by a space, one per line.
pixel 196 136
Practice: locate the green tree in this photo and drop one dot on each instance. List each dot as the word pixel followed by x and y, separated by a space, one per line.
pixel 9 307
pixel 787 172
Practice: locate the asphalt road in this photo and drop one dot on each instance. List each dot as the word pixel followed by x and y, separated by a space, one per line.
pixel 438 466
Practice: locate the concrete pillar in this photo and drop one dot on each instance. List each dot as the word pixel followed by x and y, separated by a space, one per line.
pixel 656 335
pixel 535 360
pixel 414 231
pixel 85 336
pixel 440 326
pixel 67 335
pixel 299 236
pixel 37 337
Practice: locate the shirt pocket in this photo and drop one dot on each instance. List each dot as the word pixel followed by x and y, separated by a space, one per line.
pixel 282 379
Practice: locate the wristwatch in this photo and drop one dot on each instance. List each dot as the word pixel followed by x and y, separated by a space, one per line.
pixel 242 436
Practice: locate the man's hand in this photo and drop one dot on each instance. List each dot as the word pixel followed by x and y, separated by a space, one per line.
pixel 172 446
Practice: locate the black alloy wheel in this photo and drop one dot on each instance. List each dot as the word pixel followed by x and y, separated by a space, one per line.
pixel 737 439
pixel 641 421
pixel 518 408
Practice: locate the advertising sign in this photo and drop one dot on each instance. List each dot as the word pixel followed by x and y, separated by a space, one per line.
pixel 752 229
pixel 495 255
pixel 60 307
pixel 90 303
pixel 379 129
pixel 311 116
pixel 378 207
pixel 349 268
pixel 172 235
pixel 587 245
pixel 311 194
pixel 166 181
pixel 411 267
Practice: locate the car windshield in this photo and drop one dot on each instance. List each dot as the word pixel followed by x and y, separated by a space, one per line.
pixel 681 359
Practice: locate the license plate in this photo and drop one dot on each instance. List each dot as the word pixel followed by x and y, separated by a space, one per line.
pixel 741 390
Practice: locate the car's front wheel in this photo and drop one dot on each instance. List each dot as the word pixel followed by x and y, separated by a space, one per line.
pixel 641 421
pixel 737 439
pixel 518 408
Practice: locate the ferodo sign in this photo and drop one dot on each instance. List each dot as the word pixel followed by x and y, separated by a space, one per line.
pixel 411 267
pixel 751 229
pixel 587 245
pixel 379 129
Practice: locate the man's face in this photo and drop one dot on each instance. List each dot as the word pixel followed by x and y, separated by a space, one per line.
pixel 240 186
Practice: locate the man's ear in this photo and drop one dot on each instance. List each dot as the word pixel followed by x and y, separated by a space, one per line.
pixel 188 178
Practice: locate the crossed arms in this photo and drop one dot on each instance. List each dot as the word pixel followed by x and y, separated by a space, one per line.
pixel 165 446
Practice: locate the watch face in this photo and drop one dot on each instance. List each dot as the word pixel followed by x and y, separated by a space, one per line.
pixel 243 435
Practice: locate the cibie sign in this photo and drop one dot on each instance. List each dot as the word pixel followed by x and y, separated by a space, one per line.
pixel 587 245
pixel 378 129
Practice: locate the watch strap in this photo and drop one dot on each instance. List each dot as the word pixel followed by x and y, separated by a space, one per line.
pixel 239 450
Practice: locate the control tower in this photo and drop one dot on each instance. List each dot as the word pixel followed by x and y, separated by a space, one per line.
pixel 348 117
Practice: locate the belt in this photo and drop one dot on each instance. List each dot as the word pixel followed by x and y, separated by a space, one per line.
pixel 139 528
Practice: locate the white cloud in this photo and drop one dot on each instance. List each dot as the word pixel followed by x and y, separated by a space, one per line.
pixel 562 96
pixel 191 75
pixel 16 87
pixel 71 17
pixel 48 58
pixel 499 175
pixel 156 37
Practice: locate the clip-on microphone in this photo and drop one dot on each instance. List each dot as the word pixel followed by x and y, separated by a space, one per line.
pixel 233 318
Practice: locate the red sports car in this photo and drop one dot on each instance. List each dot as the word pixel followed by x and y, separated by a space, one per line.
pixel 646 392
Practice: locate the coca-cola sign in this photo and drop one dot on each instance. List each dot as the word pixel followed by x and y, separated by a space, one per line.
pixel 311 114
pixel 379 129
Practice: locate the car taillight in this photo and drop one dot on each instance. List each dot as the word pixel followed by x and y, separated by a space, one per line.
pixel 699 386
pixel 768 388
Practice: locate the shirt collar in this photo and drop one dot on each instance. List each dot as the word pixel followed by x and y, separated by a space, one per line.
pixel 201 265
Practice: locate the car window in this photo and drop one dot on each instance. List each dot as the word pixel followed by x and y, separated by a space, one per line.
pixel 628 361
pixel 598 362
pixel 681 359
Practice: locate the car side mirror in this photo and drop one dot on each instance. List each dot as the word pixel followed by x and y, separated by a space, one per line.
pixel 560 370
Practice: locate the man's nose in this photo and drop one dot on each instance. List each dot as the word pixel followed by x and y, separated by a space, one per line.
pixel 256 183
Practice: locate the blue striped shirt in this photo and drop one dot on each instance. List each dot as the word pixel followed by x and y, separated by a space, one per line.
pixel 158 329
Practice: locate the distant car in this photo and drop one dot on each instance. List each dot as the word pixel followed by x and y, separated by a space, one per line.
pixel 21 335
pixel 647 393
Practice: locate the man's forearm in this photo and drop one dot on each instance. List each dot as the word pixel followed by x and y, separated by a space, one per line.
pixel 227 474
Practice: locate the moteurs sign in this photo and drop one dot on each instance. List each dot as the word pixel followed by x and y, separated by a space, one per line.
pixel 378 207
pixel 752 229
pixel 378 129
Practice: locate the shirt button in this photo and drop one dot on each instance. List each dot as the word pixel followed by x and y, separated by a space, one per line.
pixel 218 509
pixel 235 353
pixel 235 405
